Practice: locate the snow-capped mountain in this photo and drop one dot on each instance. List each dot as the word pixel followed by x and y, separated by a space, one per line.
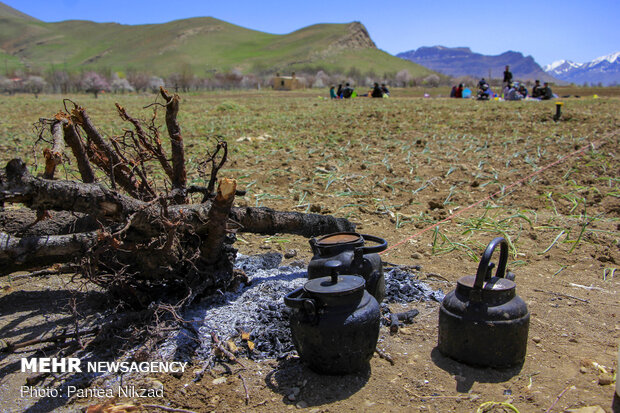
pixel 561 66
pixel 604 70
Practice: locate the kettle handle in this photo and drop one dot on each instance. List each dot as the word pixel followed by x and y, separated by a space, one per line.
pixel 483 267
pixel 292 299
pixel 308 305
pixel 376 248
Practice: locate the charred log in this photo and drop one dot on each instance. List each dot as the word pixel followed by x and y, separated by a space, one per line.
pixel 268 221
pixel 27 253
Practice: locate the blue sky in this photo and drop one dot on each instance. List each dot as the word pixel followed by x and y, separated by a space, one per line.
pixel 549 30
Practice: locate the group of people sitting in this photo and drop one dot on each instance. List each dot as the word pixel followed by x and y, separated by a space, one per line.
pixel 515 91
pixel 348 92
pixel 518 91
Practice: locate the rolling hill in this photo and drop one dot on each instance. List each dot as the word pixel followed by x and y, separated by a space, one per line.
pixel 202 45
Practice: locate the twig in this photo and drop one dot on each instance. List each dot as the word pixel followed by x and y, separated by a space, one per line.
pixel 591 288
pixel 221 348
pixel 247 394
pixel 557 399
pixel 563 295
pixel 66 269
pixel 11 347
pixel 166 409
pixel 439 396
pixel 384 356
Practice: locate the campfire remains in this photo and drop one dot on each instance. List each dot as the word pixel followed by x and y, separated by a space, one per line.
pixel 132 227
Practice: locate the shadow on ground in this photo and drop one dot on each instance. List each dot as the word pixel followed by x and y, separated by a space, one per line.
pixel 298 384
pixel 466 376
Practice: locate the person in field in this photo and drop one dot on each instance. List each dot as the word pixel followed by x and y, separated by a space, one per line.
pixel 339 91
pixel 459 91
pixel 537 90
pixel 546 92
pixel 348 91
pixel 376 91
pixel 332 93
pixel 507 76
pixel 511 92
pixel 484 90
pixel 385 90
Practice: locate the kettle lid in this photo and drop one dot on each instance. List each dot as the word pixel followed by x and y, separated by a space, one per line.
pixel 343 285
pixel 340 238
pixel 335 285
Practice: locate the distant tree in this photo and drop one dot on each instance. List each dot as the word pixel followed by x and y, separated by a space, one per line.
pixel 371 74
pixel 403 77
pixel 155 83
pixel 432 80
pixel 7 85
pixel 355 74
pixel 321 79
pixel 121 85
pixel 139 80
pixel 249 82
pixel 93 82
pixel 187 79
pixel 174 81
pixel 59 81
pixel 35 85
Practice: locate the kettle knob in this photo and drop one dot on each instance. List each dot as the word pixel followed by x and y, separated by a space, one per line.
pixel 333 266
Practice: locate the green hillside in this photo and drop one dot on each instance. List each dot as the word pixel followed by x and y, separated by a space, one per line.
pixel 202 45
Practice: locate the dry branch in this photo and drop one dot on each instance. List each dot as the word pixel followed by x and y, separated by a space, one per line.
pixel 60 338
pixel 74 141
pixel 218 218
pixel 108 159
pixel 53 156
pixel 156 150
pixel 179 175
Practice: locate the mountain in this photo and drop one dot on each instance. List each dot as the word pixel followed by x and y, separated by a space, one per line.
pixel 461 61
pixel 604 70
pixel 201 45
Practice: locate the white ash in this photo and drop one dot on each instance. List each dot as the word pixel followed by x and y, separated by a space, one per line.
pixel 259 309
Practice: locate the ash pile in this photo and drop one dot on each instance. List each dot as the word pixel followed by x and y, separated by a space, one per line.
pixel 253 321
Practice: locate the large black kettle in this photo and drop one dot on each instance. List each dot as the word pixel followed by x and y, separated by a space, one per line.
pixel 334 322
pixel 483 321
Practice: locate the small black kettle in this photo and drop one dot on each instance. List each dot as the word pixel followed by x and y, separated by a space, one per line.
pixel 355 257
pixel 334 322
pixel 483 321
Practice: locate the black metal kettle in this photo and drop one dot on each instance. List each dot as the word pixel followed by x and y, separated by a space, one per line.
pixel 483 321
pixel 355 257
pixel 334 322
